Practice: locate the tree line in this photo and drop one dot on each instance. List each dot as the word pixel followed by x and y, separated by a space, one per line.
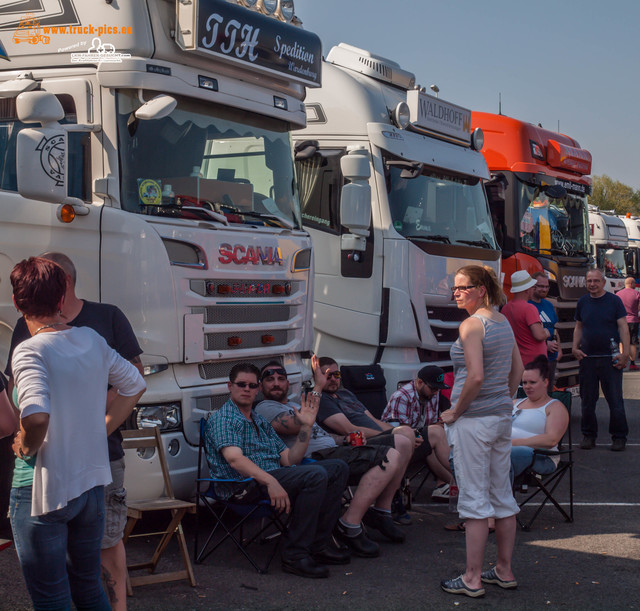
pixel 609 194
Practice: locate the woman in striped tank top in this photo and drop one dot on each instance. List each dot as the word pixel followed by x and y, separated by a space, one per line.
pixel 487 367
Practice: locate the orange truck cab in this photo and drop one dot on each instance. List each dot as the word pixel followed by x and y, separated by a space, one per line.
pixel 538 199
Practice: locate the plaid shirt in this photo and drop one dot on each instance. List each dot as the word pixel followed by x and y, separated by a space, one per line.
pixel 405 407
pixel 256 438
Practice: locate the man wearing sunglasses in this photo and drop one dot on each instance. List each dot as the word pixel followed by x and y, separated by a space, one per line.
pixel 341 412
pixel 239 444
pixel 375 469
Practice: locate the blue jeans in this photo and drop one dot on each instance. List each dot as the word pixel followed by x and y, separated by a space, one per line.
pixel 521 457
pixel 59 551
pixel 599 370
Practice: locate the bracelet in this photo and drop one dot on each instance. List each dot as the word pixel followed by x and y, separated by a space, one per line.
pixel 315 393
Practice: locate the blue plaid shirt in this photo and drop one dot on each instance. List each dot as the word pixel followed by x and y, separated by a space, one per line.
pixel 256 438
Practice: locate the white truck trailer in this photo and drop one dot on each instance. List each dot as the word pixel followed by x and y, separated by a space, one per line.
pixel 608 243
pixel 150 142
pixel 387 243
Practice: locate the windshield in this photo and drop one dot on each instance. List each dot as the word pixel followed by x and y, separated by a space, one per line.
pixel 437 207
pixel 204 161
pixel 552 226
pixel 612 261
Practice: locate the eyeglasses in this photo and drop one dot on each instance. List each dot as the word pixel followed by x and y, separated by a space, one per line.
pixel 271 372
pixel 251 385
pixel 334 374
pixel 463 288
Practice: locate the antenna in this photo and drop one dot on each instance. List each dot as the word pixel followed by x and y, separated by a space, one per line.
pixel 558 125
pixel 499 103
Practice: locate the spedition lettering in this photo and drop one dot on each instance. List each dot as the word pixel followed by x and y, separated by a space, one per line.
pixel 294 51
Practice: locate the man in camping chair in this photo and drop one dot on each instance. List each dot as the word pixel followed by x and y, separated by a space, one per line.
pixel 241 444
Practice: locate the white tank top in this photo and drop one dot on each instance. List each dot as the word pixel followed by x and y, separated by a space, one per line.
pixel 529 422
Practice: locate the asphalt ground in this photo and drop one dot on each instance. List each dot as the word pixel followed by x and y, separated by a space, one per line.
pixel 592 563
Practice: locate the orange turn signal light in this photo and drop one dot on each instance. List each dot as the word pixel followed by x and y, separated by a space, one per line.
pixel 234 341
pixel 66 213
pixel 268 339
pixel 224 289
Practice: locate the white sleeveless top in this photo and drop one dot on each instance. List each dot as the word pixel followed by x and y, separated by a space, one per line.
pixel 530 422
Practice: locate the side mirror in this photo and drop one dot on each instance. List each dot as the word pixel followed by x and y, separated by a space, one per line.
pixel 156 108
pixel 41 155
pixel 355 200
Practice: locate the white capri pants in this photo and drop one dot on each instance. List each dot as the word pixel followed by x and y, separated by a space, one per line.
pixel 481 449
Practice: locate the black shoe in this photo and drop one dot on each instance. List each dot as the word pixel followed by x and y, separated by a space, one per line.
pixel 399 512
pixel 360 545
pixel 305 567
pixel 588 443
pixel 618 445
pixel 383 524
pixel 332 555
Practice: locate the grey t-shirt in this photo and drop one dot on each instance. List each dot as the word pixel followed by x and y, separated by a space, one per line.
pixel 320 439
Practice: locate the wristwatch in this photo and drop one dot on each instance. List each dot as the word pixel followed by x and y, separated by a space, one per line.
pixel 315 393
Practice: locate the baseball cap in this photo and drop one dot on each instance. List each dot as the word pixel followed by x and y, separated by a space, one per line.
pixel 433 376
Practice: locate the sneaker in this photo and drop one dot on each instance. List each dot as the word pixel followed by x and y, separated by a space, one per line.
pixel 633 367
pixel 618 445
pixel 383 523
pixel 399 513
pixel 359 545
pixel 588 443
pixel 441 493
pixel 491 576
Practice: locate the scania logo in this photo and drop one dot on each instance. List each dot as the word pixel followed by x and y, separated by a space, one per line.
pixel 574 281
pixel 258 255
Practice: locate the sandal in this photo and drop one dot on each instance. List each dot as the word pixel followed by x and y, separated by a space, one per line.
pixel 491 576
pixel 458 586
pixel 459 527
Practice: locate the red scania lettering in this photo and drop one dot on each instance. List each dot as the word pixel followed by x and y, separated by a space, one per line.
pixel 256 255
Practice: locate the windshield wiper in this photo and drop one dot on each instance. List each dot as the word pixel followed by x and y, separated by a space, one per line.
pixel 482 243
pixel 433 238
pixel 274 221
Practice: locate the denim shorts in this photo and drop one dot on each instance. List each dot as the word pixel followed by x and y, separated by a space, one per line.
pixel 115 506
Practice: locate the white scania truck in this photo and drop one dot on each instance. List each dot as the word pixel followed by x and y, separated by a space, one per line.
pixel 632 253
pixel 390 183
pixel 609 241
pixel 150 141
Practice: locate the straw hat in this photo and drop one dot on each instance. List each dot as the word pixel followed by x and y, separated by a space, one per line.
pixel 521 281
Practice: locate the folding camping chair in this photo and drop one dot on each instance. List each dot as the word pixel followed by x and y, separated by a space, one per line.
pixel 150 438
pixel 231 515
pixel 533 484
pixel 367 382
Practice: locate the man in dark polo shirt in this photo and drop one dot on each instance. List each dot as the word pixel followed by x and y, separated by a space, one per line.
pixel 601 325
pixel 109 322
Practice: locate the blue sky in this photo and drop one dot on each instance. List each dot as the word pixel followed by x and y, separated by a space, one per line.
pixel 572 61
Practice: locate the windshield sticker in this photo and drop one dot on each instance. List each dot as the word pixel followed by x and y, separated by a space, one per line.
pixel 149 192
pixel 101 53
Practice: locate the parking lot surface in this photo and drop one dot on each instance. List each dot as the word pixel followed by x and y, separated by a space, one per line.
pixel 592 563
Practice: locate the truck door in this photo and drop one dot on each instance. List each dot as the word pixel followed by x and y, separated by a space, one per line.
pixel 347 291
pixel 31 227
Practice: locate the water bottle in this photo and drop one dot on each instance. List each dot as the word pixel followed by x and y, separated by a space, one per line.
pixel 453 496
pixel 168 196
pixel 615 351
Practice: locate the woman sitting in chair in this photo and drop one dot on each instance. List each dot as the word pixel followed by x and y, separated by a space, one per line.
pixel 538 421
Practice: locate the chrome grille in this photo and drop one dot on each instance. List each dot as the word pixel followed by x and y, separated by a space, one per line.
pixel 220 369
pixel 210 404
pixel 238 315
pixel 250 339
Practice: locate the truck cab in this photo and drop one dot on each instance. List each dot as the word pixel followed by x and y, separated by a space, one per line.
pixel 609 243
pixel 390 181
pixel 632 253
pixel 158 157
pixel 538 198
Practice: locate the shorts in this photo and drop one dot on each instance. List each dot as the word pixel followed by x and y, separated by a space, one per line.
pixel 115 506
pixel 360 459
pixel 481 449
pixel 633 332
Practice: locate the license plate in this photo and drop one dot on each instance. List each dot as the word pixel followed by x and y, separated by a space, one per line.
pixel 574 390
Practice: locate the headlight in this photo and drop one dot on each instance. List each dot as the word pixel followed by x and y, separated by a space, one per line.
pixel 267 6
pixel 477 139
pixel 402 115
pixel 166 417
pixel 287 10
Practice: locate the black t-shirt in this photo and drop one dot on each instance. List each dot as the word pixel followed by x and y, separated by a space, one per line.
pixel 599 317
pixel 108 321
pixel 345 402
